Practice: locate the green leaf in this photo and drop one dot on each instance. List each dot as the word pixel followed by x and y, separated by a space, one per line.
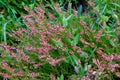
pixel 75 58
pixel 65 20
pixel 65 23
pixel 59 44
pixel 76 39
pixel 70 59
pixel 61 77
pixel 69 17
pixel 116 4
pixel 83 54
pixel 31 6
pixel 104 18
pixel 112 43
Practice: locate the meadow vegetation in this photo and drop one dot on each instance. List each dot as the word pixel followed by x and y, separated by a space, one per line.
pixel 39 43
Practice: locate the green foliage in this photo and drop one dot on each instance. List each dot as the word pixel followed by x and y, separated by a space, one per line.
pixel 61 77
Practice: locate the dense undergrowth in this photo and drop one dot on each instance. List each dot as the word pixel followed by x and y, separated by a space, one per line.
pixel 73 45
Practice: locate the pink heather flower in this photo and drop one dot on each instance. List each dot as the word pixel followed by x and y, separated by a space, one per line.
pixel 100 53
pixel 18 58
pixel 84 25
pixel 71 52
pixel 59 40
pixel 79 50
pixel 49 34
pixel 52 77
pixel 112 67
pixel 6 76
pixel 46 49
pixel 51 16
pixel 40 50
pixel 39 10
pixel 5 66
pixel 74 47
pixel 97 62
pixel 98 36
pixel 108 58
pixel 38 14
pixel 33 74
pixel 69 35
pixel 116 57
pixel 1 73
pixel 33 30
pixel 30 21
pixel 19 32
pixel 118 74
pixel 10 34
pixel 91 3
pixel 53 62
pixel 82 32
pixel 30 48
pixel 7 47
pixel 85 42
pixel 26 8
pixel 78 62
pixel 39 21
pixel 25 58
pixel 85 78
pixel 19 51
pixel 75 13
pixel 20 74
pixel 58 9
pixel 42 56
pixel 36 65
pixel 46 44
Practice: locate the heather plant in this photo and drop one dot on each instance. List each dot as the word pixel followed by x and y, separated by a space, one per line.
pixel 10 15
pixel 14 8
pixel 72 46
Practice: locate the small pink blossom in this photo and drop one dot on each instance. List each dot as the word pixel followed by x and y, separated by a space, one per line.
pixel 86 43
pixel 42 56
pixel 118 74
pixel 74 47
pixel 1 73
pixel 98 35
pixel 112 67
pixel 6 76
pixel 85 78
pixel 91 3
pixel 79 50
pixel 53 62
pixel 108 58
pixel 97 62
pixel 7 67
pixel 33 74
pixel 25 58
pixel 20 74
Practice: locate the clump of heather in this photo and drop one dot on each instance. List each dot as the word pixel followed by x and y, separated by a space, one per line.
pixel 37 42
pixel 72 48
